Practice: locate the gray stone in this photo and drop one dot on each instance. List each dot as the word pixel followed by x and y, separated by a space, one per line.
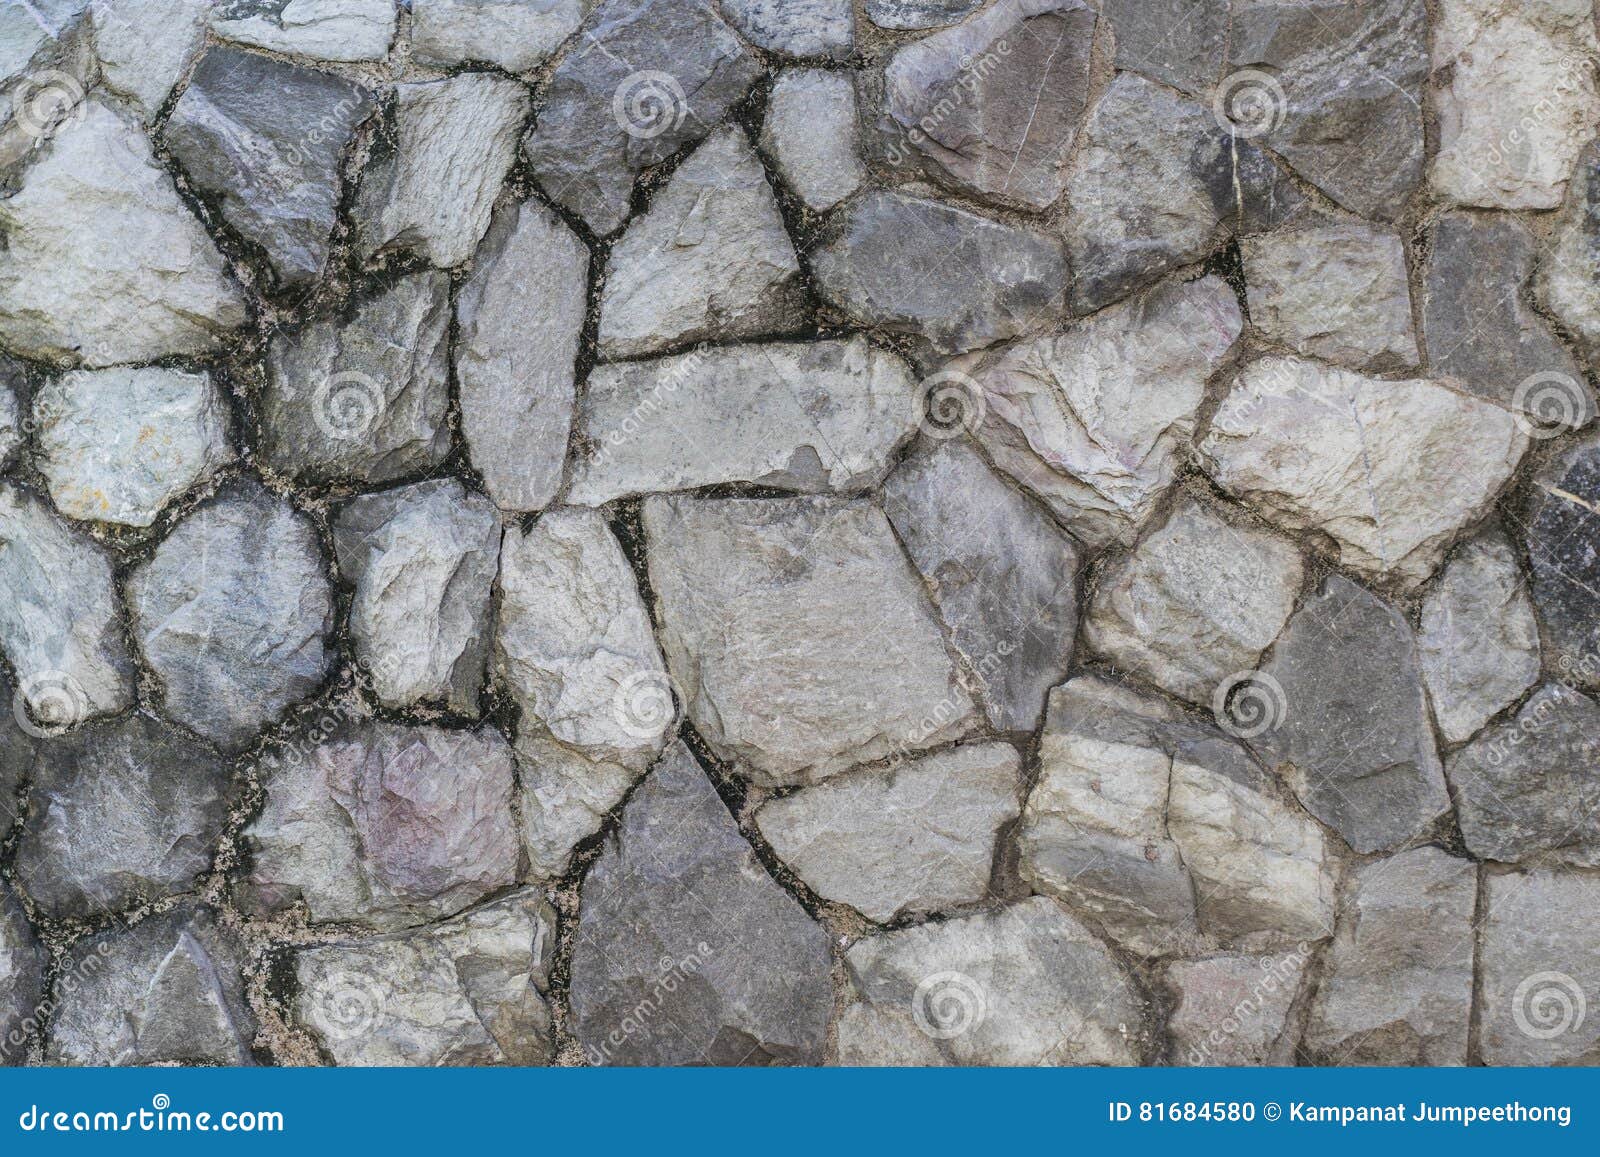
pixel 1198 600
pixel 469 991
pixel 455 140
pixel 1181 43
pixel 1024 985
pixel 992 106
pixel 816 417
pixel 423 560
pixel 1158 184
pixel 12 433
pixel 650 76
pixel 1397 982
pixel 1539 967
pixel 339 30
pixel 383 826
pixel 811 138
pixel 1389 471
pixel 911 840
pixel 266 138
pixel 1482 333
pixel 708 260
pixel 103 263
pixel 1093 420
pixel 1234 1010
pixel 232 612
pixel 913 15
pixel 1336 291
pixel 961 281
pixel 686 951
pixel 60 624
pixel 869 1035
pixel 1349 729
pixel 22 965
pixel 1002 574
pixel 120 814
pixel 27 33
pixel 1336 90
pixel 1569 262
pixel 1524 788
pixel 119 445
pixel 145 46
pixel 801 640
pixel 1562 534
pixel 520 317
pixel 168 991
pixel 795 27
pixel 1479 640
pixel 16 757
pixel 363 397
pixel 516 35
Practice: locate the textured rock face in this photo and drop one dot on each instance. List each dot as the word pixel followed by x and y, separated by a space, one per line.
pixel 1181 43
pixel 515 35
pixel 266 138
pixel 168 991
pixel 145 46
pixel 686 951
pixel 1561 525
pixel 1234 1010
pixel 1538 970
pixel 710 259
pixel 1196 601
pixel 103 262
pixel 1002 574
pixel 469 991
pixel 820 417
pixel 810 135
pixel 1092 420
pixel 520 316
pixel 232 612
pixel 918 14
pixel 16 755
pixel 423 559
pixel 340 30
pixel 1025 985
pixel 384 826
pixel 1388 470
pixel 958 280
pixel 670 71
pixel 912 840
pixel 120 814
pixel 363 398
pixel 11 435
pixel 22 964
pixel 794 27
pixel 799 636
pixel 119 445
pixel 1520 102
pixel 1569 265
pixel 992 106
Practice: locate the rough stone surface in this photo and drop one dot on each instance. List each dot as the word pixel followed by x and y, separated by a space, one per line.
pixel 1569 263
pixel 1234 1010
pixel 1562 529
pixel 915 839
pixel 1181 43
pixel 819 417
pixel 803 28
pixel 913 15
pixel 11 432
pixel 1539 966
pixel 145 46
pixel 423 560
pixel 232 612
pixel 1388 470
pixel 679 914
pixel 516 35
pixel 800 638
pixel 337 30
pixel 22 965
pixel 16 756
pixel 810 136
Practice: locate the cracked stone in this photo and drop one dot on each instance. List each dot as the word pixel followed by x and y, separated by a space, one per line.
pixel 811 137
pixel 145 46
pixel 1569 262
pixel 1248 994
pixel 22 964
pixel 1181 43
pixel 516 35
pixel 803 28
pixel 1561 529
pixel 346 31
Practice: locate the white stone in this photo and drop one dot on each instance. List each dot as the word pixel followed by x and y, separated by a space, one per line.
pixel 512 34
pixel 811 135
pixel 337 30
pixel 145 46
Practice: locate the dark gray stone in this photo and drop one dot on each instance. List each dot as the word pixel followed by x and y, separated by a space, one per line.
pixel 16 754
pixel 1563 540
pixel 1178 42
pixel 804 28
pixel 22 964
pixel 911 15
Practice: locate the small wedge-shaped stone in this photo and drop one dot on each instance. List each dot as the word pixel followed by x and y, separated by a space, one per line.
pixel 1562 526
pixel 1234 1010
pixel 520 318
pixel 240 131
pixel 1178 42
pixel 118 445
pixel 168 991
pixel 363 398
pixel 145 46
pixel 1002 573
pixel 1388 470
pixel 469 991
pixel 801 640
pixel 1024 985
pixel 686 951
pixel 383 826
pixel 993 105
pixel 1349 727
pixel 233 613
pixel 103 262
pixel 339 30
pixel 1397 983
pixel 22 965
pixel 1093 419
pixel 423 559
pixel 811 137
pixel 120 814
pixel 1569 262
pixel 912 840
pixel 60 624
pixel 795 27
pixel 515 35
pixel 709 260
pixel 455 140
pixel 816 417
pixel 960 281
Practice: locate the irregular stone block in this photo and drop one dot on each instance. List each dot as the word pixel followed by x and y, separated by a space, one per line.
pixel 1234 1010
pixel 795 27
pixel 811 138
pixel 22 965
pixel 1561 527
pixel 516 35
pixel 1569 261
pixel 339 30
pixel 1181 43
pixel 912 15
pixel 145 46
